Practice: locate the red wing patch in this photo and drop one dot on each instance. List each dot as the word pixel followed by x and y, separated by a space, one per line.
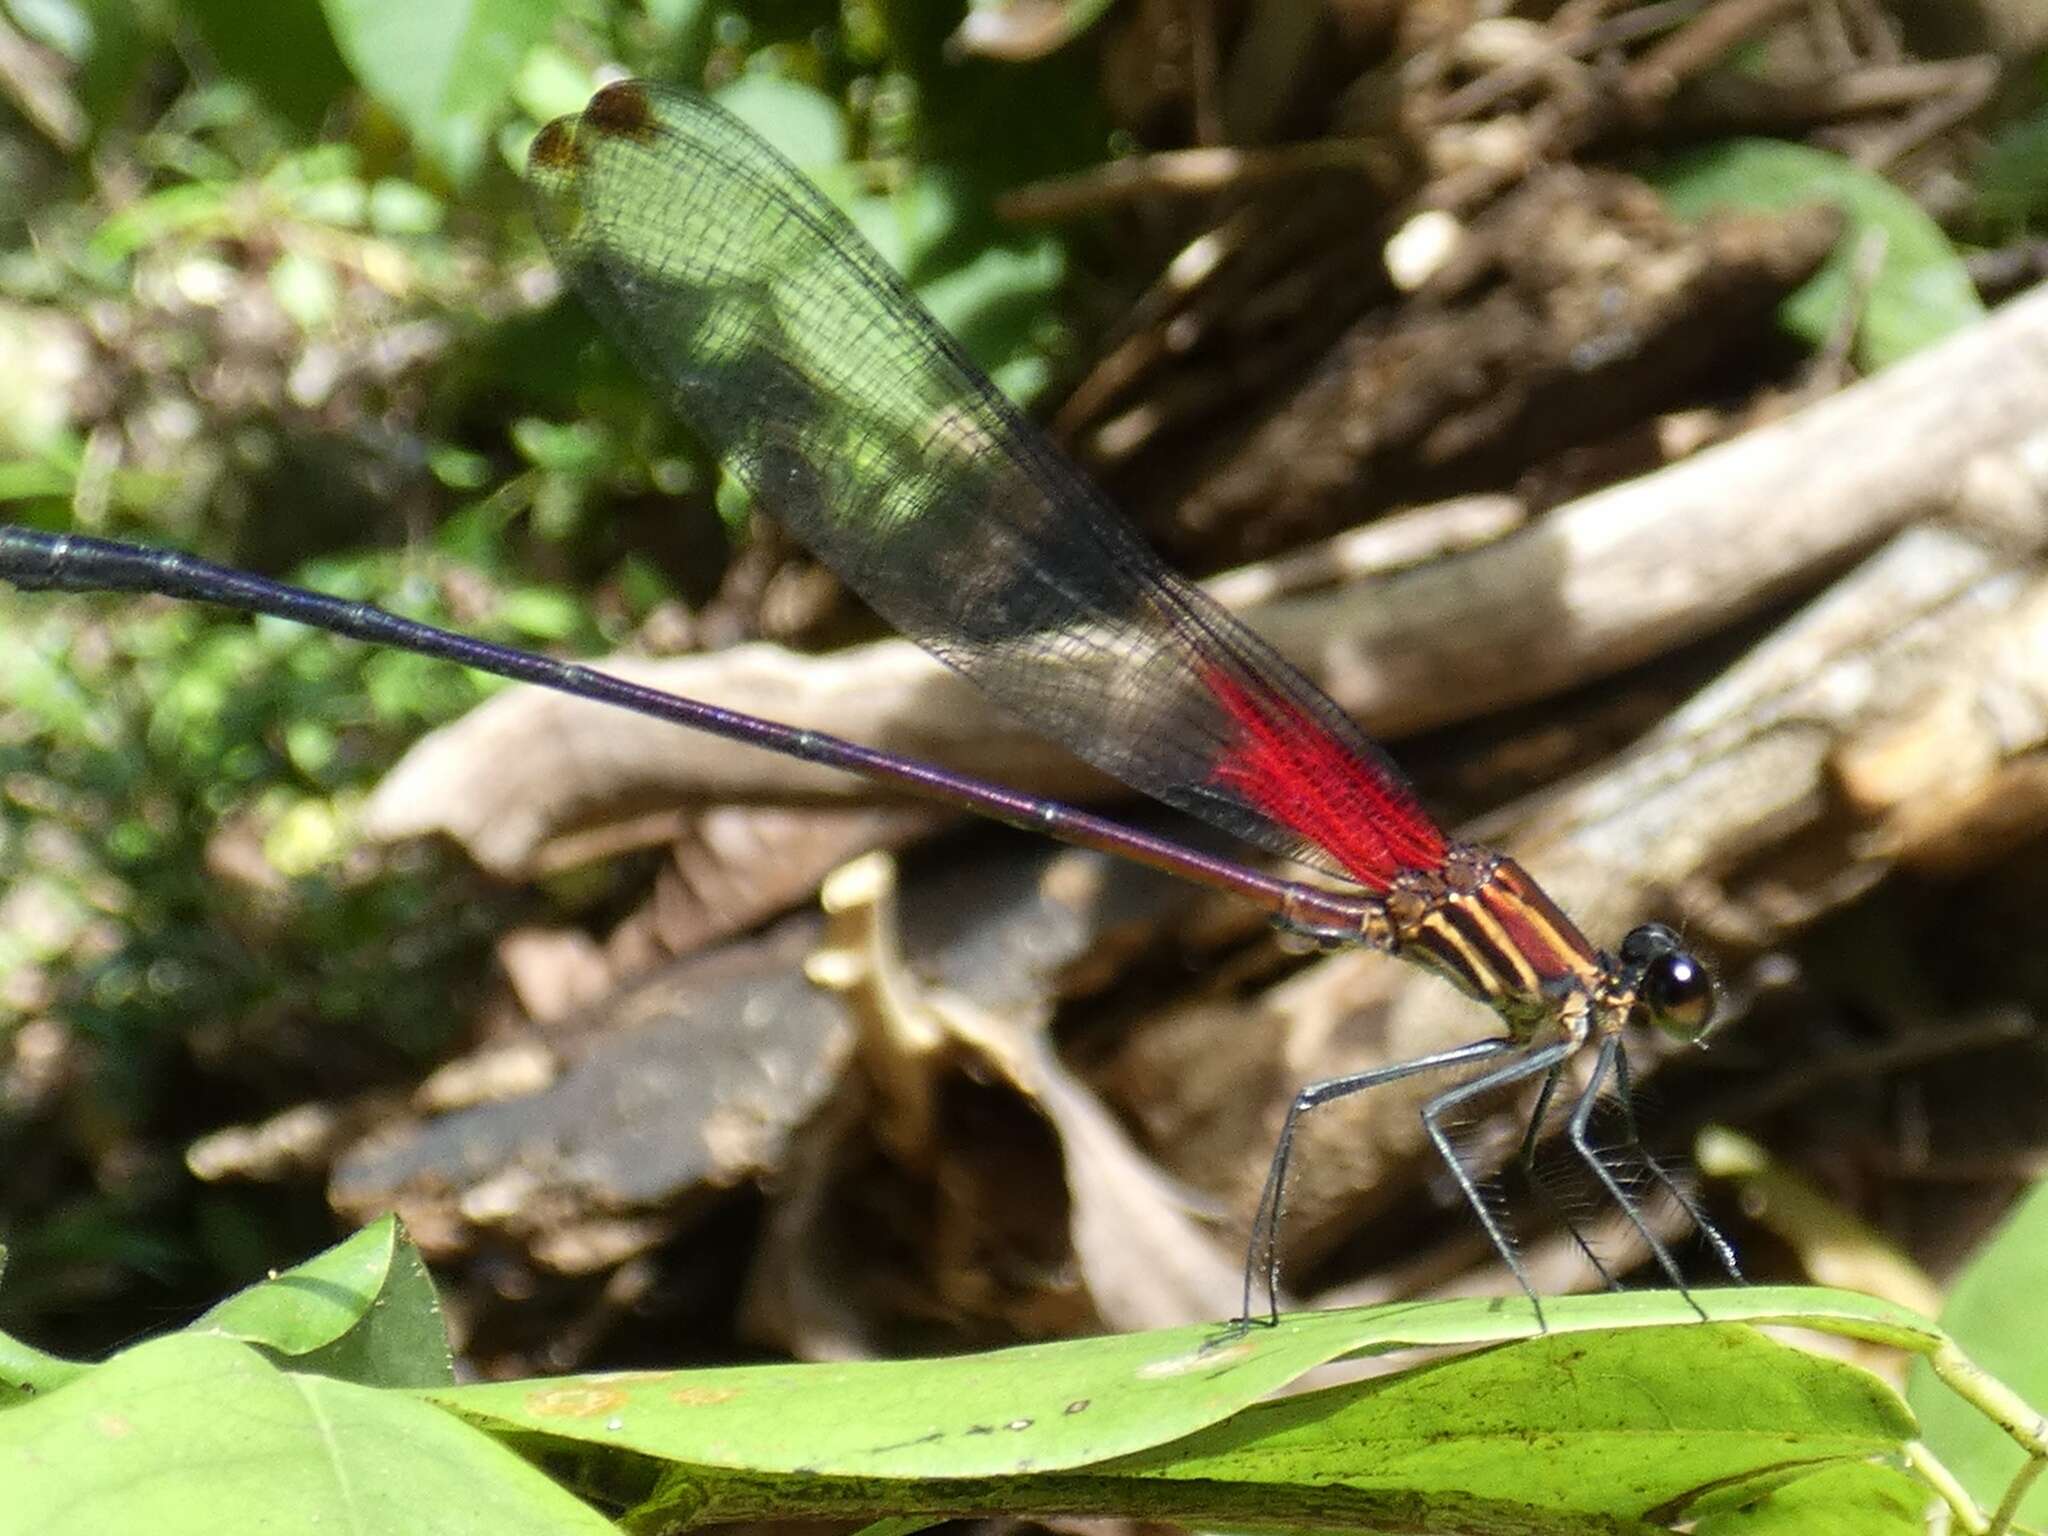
pixel 1289 767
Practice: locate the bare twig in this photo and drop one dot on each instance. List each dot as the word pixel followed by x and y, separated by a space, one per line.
pixel 1571 38
pixel 1658 73
pixel 1195 172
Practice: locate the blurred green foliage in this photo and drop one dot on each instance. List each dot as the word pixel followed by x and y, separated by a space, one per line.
pixel 269 291
pixel 1994 1313
pixel 2011 181
pixel 1917 290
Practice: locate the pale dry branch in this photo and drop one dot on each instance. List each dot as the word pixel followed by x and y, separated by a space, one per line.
pixel 1628 573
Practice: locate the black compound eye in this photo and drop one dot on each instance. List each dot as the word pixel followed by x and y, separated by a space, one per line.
pixel 1678 993
pixel 1646 943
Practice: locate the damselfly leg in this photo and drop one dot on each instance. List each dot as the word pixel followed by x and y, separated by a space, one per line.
pixel 1610 1065
pixel 1604 1061
pixel 1525 1157
pixel 1536 1063
pixel 1262 1253
pixel 1624 1099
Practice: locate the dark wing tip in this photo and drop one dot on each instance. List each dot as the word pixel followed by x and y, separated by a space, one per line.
pixel 555 147
pixel 622 111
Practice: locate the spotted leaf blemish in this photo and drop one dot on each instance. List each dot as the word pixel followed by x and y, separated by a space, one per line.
pixel 575 1402
pixel 702 1397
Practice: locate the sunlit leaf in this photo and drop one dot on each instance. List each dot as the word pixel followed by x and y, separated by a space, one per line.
pixel 305 288
pixel 402 208
pixel 1922 291
pixel 1017 30
pixel 1654 1412
pixel 1995 1313
pixel 27 1372
pixel 194 1435
pixel 566 447
pixel 364 1310
pixel 445 70
pixel 804 124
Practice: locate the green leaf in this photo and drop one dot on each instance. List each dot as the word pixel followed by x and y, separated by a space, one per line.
pixel 992 288
pixel 551 83
pixel 1069 1404
pixel 186 208
pixel 27 1372
pixel 1018 30
pixel 363 1311
pixel 458 468
pixel 195 1436
pixel 565 447
pixel 445 70
pixel 38 683
pixel 1544 1433
pixel 1922 291
pixel 23 480
pixel 804 124
pixel 1994 1313
pixel 540 613
pixel 1861 1500
pixel 61 25
pixel 401 208
pixel 1615 1421
pixel 998 304
pixel 2012 179
pixel 284 51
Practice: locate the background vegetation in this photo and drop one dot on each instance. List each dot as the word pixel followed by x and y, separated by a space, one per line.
pixel 273 295
pixel 269 291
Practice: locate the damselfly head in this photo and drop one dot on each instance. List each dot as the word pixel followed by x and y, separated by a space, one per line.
pixel 1672 988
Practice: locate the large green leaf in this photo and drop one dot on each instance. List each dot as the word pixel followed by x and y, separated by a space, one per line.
pixel 1922 291
pixel 1625 1413
pixel 1998 1312
pixel 803 123
pixel 1630 1415
pixel 194 1435
pixel 1050 1406
pixel 444 69
pixel 991 288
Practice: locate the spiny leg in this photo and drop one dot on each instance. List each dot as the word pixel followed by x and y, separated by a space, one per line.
pixel 1262 1254
pixel 1581 1121
pixel 1536 1063
pixel 1526 1157
pixel 1624 1097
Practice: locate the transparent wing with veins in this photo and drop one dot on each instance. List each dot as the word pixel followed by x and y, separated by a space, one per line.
pixel 853 417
